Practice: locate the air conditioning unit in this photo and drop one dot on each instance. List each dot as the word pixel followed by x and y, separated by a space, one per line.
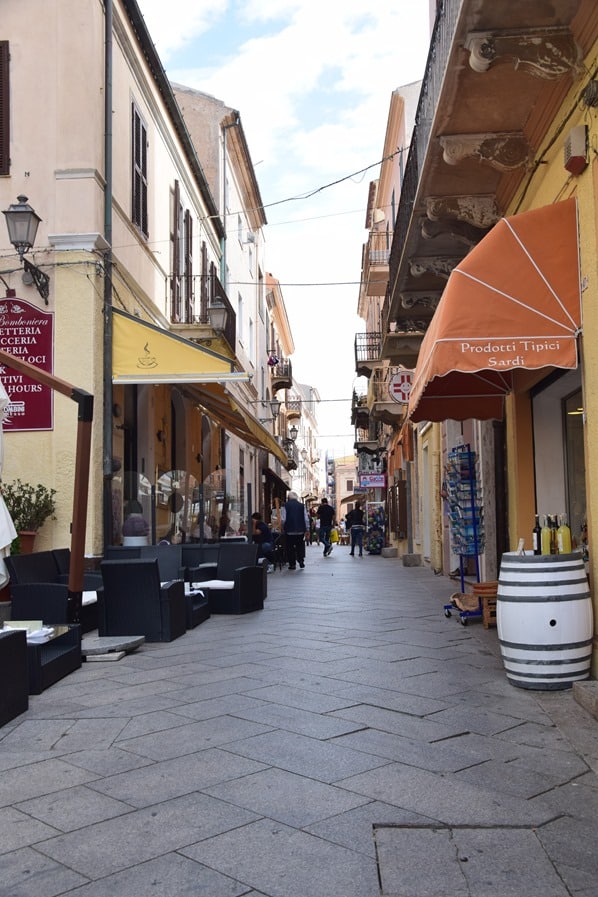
pixel 576 150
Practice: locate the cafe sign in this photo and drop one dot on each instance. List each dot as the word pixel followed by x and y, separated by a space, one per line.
pixel 28 334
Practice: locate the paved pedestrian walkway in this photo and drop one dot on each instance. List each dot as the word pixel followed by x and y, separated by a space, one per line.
pixel 346 741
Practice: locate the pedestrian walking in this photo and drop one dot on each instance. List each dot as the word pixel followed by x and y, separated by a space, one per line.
pixel 326 518
pixel 356 526
pixel 295 525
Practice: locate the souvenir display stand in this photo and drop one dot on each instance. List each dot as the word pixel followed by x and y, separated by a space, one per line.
pixel 467 525
pixel 375 520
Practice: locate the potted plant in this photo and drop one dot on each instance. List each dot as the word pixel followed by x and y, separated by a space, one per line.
pixel 30 507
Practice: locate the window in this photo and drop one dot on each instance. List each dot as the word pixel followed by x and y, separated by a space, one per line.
pixel 139 185
pixel 175 253
pixel 251 340
pixel 349 485
pixel 4 110
pixel 240 319
pixel 188 265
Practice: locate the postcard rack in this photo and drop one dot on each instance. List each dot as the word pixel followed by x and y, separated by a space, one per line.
pixel 466 517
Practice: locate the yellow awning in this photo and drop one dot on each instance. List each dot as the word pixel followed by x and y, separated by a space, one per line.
pixel 220 405
pixel 144 353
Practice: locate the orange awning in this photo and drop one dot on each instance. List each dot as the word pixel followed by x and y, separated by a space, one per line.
pixel 513 302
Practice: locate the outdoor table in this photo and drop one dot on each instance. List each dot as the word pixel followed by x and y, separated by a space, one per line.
pixel 51 660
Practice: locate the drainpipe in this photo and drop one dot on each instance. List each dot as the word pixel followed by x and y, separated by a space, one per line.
pixel 107 418
pixel 223 278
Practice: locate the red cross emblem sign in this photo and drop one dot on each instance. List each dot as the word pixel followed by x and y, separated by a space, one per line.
pixel 399 386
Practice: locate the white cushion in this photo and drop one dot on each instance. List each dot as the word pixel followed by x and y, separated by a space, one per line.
pixel 190 589
pixel 218 584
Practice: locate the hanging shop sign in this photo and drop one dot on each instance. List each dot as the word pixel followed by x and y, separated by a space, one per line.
pixel 399 386
pixel 372 480
pixel 28 334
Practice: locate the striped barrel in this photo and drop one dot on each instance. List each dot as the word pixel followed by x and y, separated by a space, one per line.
pixel 544 620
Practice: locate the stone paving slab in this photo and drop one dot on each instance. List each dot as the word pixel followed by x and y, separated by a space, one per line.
pixel 445 799
pixel 116 844
pixel 283 796
pixel 170 875
pixel 22 867
pixel 156 782
pixel 284 862
pixel 464 862
pixel 72 808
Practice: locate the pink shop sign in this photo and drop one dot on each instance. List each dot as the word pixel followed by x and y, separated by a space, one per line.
pixel 27 333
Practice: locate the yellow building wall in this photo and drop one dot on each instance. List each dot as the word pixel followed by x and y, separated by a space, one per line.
pixel 547 183
pixel 49 457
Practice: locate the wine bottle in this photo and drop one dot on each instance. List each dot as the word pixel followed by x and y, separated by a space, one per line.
pixel 545 535
pixel 537 537
pixel 564 535
pixel 554 547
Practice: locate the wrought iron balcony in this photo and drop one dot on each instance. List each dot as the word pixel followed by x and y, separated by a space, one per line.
pixel 293 409
pixel 368 348
pixel 190 297
pixel 359 410
pixel 281 376
pixel 376 253
pixel 367 438
pixel 292 454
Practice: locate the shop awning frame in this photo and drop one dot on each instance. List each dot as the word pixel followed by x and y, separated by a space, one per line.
pixel 225 409
pixel 513 304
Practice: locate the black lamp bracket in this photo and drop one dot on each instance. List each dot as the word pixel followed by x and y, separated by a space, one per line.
pixel 41 280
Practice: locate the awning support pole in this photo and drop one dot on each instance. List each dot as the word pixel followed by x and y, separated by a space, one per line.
pixel 81 478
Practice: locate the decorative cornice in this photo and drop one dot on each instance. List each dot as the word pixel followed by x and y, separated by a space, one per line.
pixel 406 328
pixel 449 227
pixel 423 299
pixel 504 151
pixel 547 53
pixel 81 242
pixel 441 266
pixel 480 211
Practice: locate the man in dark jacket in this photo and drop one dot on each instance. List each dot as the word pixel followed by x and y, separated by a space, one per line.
pixel 326 518
pixel 355 521
pixel 295 526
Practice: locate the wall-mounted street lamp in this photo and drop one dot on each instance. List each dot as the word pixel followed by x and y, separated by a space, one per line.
pixel 293 433
pixel 218 315
pixel 22 223
pixel 275 409
pixel 304 454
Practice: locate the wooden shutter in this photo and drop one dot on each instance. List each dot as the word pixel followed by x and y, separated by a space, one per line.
pixel 188 262
pixel 139 186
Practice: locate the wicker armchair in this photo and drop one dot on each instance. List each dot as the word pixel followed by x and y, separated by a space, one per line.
pixel 134 601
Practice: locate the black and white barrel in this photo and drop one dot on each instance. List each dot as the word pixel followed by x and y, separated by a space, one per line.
pixel 544 620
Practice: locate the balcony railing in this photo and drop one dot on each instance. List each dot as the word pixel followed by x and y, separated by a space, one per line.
pixel 292 454
pixel 281 375
pixel 359 410
pixel 367 346
pixel 190 297
pixel 293 408
pixel 379 256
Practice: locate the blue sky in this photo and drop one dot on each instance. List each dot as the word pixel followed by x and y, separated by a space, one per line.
pixel 312 80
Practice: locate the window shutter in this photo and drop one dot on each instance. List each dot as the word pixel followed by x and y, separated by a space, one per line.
pixel 139 174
